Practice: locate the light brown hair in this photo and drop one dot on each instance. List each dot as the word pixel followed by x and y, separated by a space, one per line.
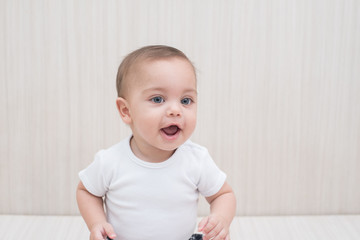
pixel 152 52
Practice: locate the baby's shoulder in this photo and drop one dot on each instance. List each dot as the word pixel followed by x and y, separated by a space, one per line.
pixel 111 155
pixel 196 150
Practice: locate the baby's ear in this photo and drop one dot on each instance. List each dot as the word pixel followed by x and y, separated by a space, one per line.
pixel 123 108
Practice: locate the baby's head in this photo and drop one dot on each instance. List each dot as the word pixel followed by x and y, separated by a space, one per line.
pixel 157 98
pixel 141 56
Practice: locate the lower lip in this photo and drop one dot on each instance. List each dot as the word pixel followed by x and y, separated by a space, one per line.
pixel 170 137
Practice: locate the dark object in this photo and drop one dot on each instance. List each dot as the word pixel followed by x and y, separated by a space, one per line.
pixel 107 238
pixel 196 236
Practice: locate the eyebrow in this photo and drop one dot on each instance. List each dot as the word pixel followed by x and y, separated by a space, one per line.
pixel 160 89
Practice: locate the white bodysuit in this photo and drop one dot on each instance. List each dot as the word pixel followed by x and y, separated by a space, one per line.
pixel 152 201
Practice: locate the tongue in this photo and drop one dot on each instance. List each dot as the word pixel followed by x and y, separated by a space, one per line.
pixel 170 130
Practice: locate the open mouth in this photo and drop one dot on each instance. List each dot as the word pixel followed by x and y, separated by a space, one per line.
pixel 171 130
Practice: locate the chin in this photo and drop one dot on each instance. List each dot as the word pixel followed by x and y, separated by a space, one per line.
pixel 173 146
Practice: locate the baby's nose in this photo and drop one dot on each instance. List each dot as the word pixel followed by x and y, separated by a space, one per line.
pixel 174 110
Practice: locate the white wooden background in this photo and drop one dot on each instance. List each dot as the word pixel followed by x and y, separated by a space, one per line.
pixel 279 85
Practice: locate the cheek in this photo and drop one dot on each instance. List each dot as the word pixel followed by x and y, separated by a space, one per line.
pixel 191 121
pixel 147 120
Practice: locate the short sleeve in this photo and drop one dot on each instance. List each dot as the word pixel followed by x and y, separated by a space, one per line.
pixel 93 177
pixel 211 177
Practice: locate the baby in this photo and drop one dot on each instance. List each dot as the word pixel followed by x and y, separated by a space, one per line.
pixel 149 183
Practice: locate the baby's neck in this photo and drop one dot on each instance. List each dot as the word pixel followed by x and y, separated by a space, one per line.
pixel 149 154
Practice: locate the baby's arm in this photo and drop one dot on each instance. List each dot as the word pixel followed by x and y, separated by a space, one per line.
pixel 92 210
pixel 222 211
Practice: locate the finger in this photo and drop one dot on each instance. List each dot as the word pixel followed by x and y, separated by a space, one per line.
pixel 214 233
pixel 202 224
pixel 221 235
pixel 109 231
pixel 210 225
pixel 96 235
pixel 227 237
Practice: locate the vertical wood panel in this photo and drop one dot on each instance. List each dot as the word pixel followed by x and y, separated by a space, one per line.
pixel 278 104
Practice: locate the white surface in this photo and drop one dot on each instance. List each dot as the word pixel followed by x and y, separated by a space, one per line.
pixel 243 228
pixel 297 228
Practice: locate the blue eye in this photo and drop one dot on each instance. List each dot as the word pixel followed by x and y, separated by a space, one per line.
pixel 186 101
pixel 157 99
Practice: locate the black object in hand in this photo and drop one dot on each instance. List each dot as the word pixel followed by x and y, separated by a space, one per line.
pixel 196 236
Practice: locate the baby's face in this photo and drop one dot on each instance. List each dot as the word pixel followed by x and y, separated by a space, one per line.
pixel 162 101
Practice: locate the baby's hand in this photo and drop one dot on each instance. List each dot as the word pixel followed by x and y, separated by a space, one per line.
pixel 102 230
pixel 214 227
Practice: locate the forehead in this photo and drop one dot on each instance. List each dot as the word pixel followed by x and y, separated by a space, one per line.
pixel 166 70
